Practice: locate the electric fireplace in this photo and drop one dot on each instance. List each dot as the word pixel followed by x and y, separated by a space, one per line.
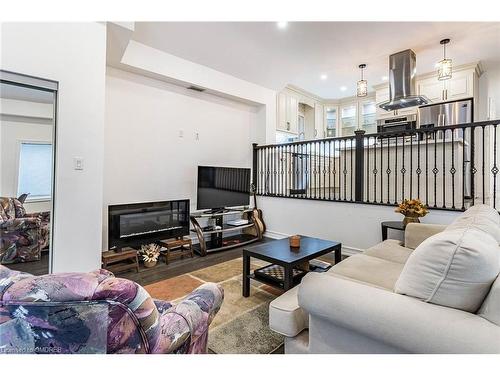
pixel 136 224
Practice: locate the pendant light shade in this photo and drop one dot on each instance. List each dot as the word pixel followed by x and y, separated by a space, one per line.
pixel 445 65
pixel 362 87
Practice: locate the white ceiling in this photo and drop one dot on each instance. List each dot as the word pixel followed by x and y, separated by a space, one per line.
pixel 262 53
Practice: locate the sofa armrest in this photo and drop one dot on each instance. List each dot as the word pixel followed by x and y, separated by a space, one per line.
pixel 397 320
pixel 416 233
pixel 186 323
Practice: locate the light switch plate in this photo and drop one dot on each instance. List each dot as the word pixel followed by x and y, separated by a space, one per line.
pixel 78 164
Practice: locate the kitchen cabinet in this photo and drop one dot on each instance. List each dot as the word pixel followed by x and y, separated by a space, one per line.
pixel 348 118
pixel 459 86
pixel 331 123
pixel 367 116
pixel 319 121
pixel 288 111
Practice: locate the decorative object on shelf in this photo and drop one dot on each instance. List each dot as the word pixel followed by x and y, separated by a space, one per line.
pixel 295 241
pixel 362 87
pixel 150 254
pixel 445 65
pixel 412 209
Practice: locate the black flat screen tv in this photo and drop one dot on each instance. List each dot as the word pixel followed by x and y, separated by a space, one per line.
pixel 137 224
pixel 220 187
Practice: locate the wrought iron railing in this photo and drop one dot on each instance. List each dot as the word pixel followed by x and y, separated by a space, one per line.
pixel 447 167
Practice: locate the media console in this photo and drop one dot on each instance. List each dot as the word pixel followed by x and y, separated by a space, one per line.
pixel 222 235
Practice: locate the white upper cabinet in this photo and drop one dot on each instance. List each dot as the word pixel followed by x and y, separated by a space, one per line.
pixel 382 95
pixel 288 111
pixel 348 118
pixel 459 86
pixel 292 114
pixel 431 88
pixel 319 121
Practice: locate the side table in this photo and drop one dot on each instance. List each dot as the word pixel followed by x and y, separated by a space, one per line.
pixel 396 225
pixel 117 261
pixel 182 246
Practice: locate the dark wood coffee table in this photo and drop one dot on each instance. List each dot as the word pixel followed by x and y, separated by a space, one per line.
pixel 279 252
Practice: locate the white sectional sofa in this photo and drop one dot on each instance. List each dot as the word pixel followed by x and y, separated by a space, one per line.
pixel 437 293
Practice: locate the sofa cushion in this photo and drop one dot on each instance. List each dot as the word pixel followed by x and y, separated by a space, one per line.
pixel 369 270
pixel 286 316
pixel 481 217
pixel 454 268
pixel 490 309
pixel 390 250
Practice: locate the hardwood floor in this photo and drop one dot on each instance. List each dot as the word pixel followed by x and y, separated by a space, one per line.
pixel 178 267
pixel 40 267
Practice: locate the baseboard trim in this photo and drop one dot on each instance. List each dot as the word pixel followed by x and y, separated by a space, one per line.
pixel 346 250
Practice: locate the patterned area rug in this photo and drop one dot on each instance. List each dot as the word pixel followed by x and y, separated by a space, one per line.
pixel 241 326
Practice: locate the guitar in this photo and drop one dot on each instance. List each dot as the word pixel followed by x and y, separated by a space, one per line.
pixel 257 213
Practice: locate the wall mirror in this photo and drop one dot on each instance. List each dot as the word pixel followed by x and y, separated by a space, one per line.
pixel 28 111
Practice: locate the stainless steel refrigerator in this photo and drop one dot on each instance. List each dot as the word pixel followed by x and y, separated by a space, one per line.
pixel 452 113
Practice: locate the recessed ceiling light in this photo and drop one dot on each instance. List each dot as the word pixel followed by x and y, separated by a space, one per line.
pixel 323 76
pixel 385 78
pixel 282 24
pixel 343 88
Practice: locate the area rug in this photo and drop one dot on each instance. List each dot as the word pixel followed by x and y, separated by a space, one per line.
pixel 242 324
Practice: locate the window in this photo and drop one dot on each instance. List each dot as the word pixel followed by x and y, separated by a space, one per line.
pixel 35 170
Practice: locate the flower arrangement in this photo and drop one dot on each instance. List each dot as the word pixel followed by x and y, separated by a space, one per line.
pixel 150 254
pixel 412 209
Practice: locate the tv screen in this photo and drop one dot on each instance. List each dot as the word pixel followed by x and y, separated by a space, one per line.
pixel 220 187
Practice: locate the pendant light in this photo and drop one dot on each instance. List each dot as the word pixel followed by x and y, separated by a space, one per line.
pixel 445 65
pixel 362 88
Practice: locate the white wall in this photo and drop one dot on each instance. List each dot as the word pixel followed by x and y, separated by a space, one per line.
pixel 356 226
pixel 489 93
pixel 74 55
pixel 145 159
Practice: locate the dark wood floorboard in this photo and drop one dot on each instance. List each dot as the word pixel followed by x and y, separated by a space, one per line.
pixel 178 267
pixel 40 267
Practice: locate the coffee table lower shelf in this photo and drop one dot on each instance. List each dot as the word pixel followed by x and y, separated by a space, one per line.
pixel 274 275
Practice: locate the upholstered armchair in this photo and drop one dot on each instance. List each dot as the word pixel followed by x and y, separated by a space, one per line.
pixel 98 313
pixel 22 235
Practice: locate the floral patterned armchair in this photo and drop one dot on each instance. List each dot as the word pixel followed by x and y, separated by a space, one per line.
pixel 22 236
pixel 98 313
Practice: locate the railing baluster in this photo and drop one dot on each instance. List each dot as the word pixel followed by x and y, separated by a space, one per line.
pixel 367 160
pixel 435 170
pixel 444 168
pixel 411 166
pixel 329 170
pixel 403 171
pixel 388 173
pixel 375 170
pixel 494 170
pixel 483 168
pixel 396 172
pixel 452 170
pixel 426 134
pixel 464 170
pixel 418 171
pixel 473 163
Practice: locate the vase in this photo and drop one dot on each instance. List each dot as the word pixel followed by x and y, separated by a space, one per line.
pixel 410 219
pixel 150 264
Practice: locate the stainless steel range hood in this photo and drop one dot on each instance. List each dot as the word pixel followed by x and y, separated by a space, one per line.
pixel 402 71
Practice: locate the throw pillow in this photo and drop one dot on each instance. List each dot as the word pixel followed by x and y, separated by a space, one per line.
pixel 454 268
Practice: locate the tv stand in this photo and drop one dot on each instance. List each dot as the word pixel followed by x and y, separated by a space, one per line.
pixel 238 235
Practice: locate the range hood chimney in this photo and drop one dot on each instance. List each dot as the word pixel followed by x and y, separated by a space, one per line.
pixel 402 71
